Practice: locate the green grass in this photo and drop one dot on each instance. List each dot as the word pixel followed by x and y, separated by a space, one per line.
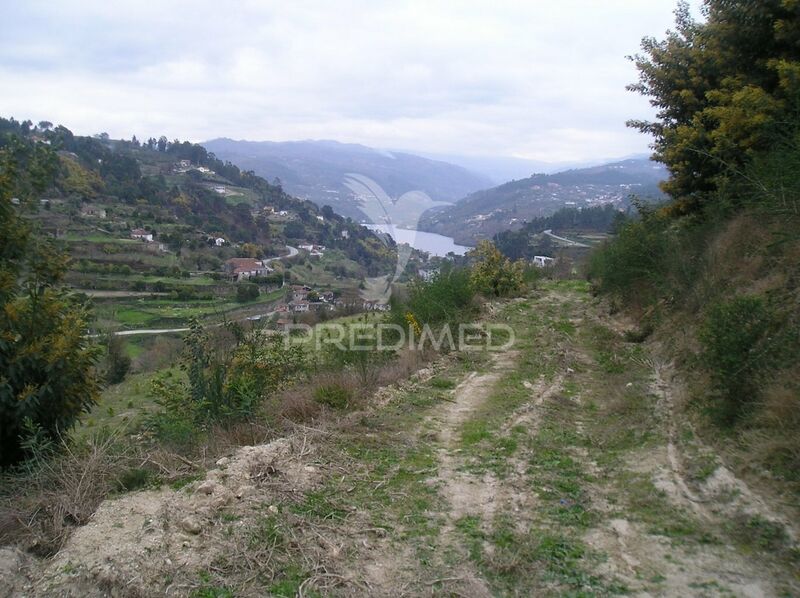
pixel 289 581
pixel 321 504
pixel 522 563
pixel 125 404
pixel 483 441
pixel 133 348
pixel 151 313
pixel 442 383
pixel 646 504
pixel 208 589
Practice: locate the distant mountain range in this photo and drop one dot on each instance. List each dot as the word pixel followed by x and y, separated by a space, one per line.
pixel 457 200
pixel 322 171
pixel 484 213
pixel 505 168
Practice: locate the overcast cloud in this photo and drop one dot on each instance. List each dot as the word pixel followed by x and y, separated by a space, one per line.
pixel 533 79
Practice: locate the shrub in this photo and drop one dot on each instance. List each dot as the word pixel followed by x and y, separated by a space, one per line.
pixel 445 298
pixel 493 274
pixel 224 383
pixel 735 351
pixel 47 373
pixel 633 265
pixel 54 492
pixel 134 478
pixel 117 361
pixel 333 395
pixel 246 291
pixel 365 360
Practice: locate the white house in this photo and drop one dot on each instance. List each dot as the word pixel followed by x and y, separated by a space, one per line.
pixel 313 250
pixel 542 261
pixel 142 235
pixel 299 306
pixel 219 241
pixel 89 210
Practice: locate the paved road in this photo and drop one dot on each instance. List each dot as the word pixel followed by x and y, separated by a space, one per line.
pixel 293 251
pixel 549 233
pixel 149 331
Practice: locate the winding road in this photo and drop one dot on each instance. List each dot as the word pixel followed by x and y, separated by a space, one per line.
pixel 549 233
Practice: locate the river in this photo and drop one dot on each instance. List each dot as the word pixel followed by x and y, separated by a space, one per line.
pixel 430 242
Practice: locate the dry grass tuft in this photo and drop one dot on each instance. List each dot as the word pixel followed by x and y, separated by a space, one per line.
pixel 55 495
pixel 775 442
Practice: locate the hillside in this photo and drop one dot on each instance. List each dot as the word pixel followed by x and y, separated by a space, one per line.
pixel 317 170
pixel 559 467
pixel 486 213
pixel 149 227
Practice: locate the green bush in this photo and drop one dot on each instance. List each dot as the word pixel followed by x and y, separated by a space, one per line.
pixel 365 360
pixel 634 264
pixel 246 291
pixel 448 297
pixel 736 352
pixel 225 381
pixel 135 478
pixel 333 395
pixel 47 362
pixel 494 274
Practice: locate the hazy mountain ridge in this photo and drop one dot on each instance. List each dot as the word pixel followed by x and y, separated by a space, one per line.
pixel 317 170
pixel 502 169
pixel 485 213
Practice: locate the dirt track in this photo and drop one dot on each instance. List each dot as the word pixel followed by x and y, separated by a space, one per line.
pixel 561 466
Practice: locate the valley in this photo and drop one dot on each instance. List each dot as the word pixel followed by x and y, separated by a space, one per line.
pixel 318 171
pixel 494 364
pixel 483 214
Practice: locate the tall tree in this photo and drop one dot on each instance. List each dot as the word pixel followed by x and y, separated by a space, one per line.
pixel 47 375
pixel 725 89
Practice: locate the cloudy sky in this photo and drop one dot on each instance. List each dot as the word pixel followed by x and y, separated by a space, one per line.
pixel 536 79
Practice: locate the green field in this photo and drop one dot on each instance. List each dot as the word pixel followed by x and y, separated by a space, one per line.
pixel 145 313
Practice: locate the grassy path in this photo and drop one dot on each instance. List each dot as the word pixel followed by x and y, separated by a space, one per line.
pixel 556 468
pixel 551 469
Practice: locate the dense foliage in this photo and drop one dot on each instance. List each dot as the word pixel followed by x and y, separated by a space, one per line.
pixel 520 244
pixel 47 375
pixel 726 90
pixel 493 274
pixel 734 335
pixel 226 380
pixel 723 257
pixel 446 298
